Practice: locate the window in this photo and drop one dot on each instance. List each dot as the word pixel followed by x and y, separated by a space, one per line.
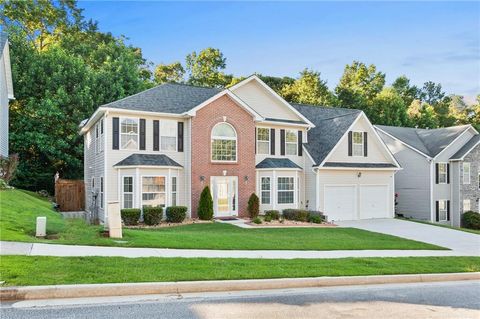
pixel 466 173
pixel 265 192
pixel 224 143
pixel 442 210
pixel 101 192
pixel 153 191
pixel 466 205
pixel 285 187
pixel 168 135
pixel 442 173
pixel 129 134
pixel 263 140
pixel 357 144
pixel 291 144
pixel 174 191
pixel 127 192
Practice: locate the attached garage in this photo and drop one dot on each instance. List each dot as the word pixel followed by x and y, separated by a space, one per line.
pixel 340 202
pixel 374 201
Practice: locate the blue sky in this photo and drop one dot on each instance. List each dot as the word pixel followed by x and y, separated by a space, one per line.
pixel 437 41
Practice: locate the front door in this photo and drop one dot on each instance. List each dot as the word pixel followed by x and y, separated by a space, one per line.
pixel 224 191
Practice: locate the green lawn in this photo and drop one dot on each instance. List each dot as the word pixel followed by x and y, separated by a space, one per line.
pixel 18 210
pixel 473 231
pixel 18 270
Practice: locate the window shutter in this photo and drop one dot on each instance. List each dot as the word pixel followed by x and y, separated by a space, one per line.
pixel 272 141
pixel 156 135
pixel 101 126
pixel 282 142
pixel 350 146
pixel 180 136
pixel 365 145
pixel 116 132
pixel 436 173
pixel 437 211
pixel 448 173
pixel 142 134
pixel 256 140
pixel 448 210
pixel 300 143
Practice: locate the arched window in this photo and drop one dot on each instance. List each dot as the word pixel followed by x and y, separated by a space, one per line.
pixel 224 143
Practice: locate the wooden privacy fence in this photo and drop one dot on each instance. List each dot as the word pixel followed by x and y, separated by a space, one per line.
pixel 70 195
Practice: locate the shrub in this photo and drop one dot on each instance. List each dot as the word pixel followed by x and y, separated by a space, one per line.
pixel 471 220
pixel 176 214
pixel 130 216
pixel 152 215
pixel 3 184
pixel 273 214
pixel 8 167
pixel 257 220
pixel 253 205
pixel 267 219
pixel 316 219
pixel 296 214
pixel 205 206
pixel 322 217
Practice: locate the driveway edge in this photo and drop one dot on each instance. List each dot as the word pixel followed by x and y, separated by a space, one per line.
pixel 104 290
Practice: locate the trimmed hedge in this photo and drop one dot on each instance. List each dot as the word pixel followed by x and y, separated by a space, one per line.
pixel 152 215
pixel 273 214
pixel 471 220
pixel 299 215
pixel 130 216
pixel 205 205
pixel 253 205
pixel 176 214
pixel 316 219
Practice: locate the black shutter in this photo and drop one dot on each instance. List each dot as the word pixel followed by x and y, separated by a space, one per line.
pixel 101 126
pixel 272 141
pixel 115 135
pixel 282 142
pixel 255 140
pixel 437 213
pixel 436 173
pixel 142 134
pixel 180 136
pixel 156 135
pixel 300 143
pixel 350 147
pixel 365 145
pixel 448 210
pixel 448 173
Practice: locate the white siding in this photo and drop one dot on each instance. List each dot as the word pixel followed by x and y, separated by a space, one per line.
pixel 3 107
pixel 310 183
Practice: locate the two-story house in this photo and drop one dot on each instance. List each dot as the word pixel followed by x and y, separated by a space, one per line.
pixel 162 146
pixel 6 92
pixel 440 177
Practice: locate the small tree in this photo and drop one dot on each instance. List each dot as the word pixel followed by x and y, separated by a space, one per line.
pixel 8 167
pixel 253 205
pixel 205 206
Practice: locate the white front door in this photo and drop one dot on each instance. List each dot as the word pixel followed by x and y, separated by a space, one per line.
pixel 225 195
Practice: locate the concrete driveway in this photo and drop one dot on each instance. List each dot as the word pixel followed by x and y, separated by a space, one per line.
pixel 459 241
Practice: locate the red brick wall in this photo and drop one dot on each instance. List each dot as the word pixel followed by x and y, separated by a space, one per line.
pixel 202 124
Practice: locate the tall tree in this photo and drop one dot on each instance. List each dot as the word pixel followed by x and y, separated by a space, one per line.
pixel 173 72
pixel 388 108
pixel 406 91
pixel 205 68
pixel 309 88
pixel 276 83
pixel 422 115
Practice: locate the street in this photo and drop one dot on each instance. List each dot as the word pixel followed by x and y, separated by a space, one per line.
pixel 422 300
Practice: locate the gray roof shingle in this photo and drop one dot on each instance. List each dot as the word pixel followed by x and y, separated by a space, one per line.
pixel 148 160
pixel 466 148
pixel 359 165
pixel 428 141
pixel 277 163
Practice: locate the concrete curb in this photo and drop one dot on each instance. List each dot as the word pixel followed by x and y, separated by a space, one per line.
pixel 104 290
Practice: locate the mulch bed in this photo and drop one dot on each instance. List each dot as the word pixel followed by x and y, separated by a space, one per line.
pixel 290 223
pixel 165 224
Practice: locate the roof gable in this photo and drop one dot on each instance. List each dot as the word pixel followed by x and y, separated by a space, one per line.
pixel 467 148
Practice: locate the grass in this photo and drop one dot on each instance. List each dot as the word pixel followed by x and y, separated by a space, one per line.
pixel 18 210
pixel 18 270
pixel 468 230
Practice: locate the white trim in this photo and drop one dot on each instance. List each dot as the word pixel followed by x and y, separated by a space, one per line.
pixel 446 173
pixel 360 168
pixel 224 138
pixel 122 188
pixel 147 166
pixel 213 188
pixel 305 151
pixel 105 158
pixel 295 133
pixel 363 143
pixel 456 139
pixel 140 190
pixel 269 190
pixel 468 152
pixel 432 181
pixel 404 143
pixel 120 146
pixel 469 173
pixel 293 190
pixel 446 210
pixel 279 169
pixel 283 124
pixel 269 140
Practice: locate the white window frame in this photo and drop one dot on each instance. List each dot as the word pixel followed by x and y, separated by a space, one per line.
pixel 263 141
pixel 291 143
pixel 284 191
pixel 102 186
pixel 164 192
pixel 466 178
pixel 467 207
pixel 269 190
pixel 361 148
pixel 128 193
pixel 162 124
pixel 213 137
pixel 174 192
pixel 440 174
pixel 137 121
pixel 444 210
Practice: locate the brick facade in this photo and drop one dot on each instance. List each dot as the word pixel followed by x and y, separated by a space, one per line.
pixel 471 191
pixel 202 124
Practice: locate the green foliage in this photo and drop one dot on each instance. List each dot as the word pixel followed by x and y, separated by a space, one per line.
pixel 205 68
pixel 471 220
pixel 205 206
pixel 273 214
pixel 8 167
pixel 130 216
pixel 152 215
pixel 176 214
pixel 388 108
pixel 422 115
pixel 267 219
pixel 257 220
pixel 309 88
pixel 296 214
pixel 316 219
pixel 3 184
pixel 407 92
pixel 253 206
pixel 173 72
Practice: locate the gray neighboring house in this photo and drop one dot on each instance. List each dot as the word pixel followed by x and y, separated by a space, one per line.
pixel 440 179
pixel 6 92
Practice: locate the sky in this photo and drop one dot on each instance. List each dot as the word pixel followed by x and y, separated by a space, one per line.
pixel 426 41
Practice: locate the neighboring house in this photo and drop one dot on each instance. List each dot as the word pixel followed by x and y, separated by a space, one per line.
pixel 6 92
pixel 162 146
pixel 440 177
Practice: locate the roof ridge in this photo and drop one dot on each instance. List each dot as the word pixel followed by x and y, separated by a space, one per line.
pixel 334 117
pixel 325 106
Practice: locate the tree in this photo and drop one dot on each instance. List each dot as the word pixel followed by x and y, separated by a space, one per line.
pixel 431 93
pixel 173 72
pixel 276 83
pixel 309 88
pixel 205 205
pixel 406 91
pixel 253 206
pixel 388 108
pixel 205 68
pixel 422 115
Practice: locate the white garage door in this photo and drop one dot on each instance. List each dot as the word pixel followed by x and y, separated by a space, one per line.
pixel 340 202
pixel 374 201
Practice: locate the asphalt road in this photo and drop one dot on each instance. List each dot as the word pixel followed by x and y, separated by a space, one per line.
pixel 425 300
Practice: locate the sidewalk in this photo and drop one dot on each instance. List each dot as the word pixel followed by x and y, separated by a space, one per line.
pixel 36 249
